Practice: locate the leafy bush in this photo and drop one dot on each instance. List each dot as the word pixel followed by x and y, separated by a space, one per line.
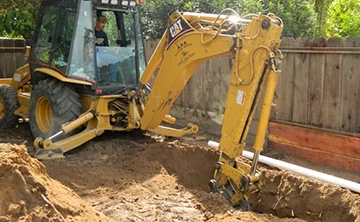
pixel 298 15
pixel 344 19
pixel 17 17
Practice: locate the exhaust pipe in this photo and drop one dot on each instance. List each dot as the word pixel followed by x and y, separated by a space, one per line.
pixel 299 170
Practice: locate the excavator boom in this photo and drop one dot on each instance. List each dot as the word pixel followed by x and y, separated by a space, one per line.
pixel 252 43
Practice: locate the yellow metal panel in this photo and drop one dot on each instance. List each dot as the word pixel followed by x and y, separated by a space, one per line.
pixel 60 77
pixel 21 76
pixel 86 101
pixel 6 81
pixel 24 100
pixel 178 65
pixel 73 141
pixel 248 76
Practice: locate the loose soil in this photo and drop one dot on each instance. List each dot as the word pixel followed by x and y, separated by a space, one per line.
pixel 133 177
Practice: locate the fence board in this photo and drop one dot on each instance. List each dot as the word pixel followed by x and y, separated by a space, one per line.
pixel 196 89
pixel 225 74
pixel 350 89
pixel 301 85
pixel 216 76
pixel 285 87
pixel 332 88
pixel 316 89
pixel 208 85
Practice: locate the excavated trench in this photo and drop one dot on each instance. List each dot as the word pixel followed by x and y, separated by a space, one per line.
pixel 283 194
pixel 135 178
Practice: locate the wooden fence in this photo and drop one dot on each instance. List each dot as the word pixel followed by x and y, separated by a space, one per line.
pixel 12 56
pixel 320 84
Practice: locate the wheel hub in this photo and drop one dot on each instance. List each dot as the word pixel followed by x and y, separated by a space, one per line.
pixel 43 114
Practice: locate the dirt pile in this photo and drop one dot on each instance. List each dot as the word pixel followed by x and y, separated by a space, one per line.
pixel 28 194
pixel 131 177
pixel 287 195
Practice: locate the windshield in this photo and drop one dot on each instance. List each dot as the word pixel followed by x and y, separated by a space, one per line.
pixel 82 54
pixel 117 45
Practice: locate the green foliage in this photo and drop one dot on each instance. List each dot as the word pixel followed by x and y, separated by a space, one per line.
pixel 344 19
pixel 111 28
pixel 155 15
pixel 309 18
pixel 298 15
pixel 17 17
pixel 321 8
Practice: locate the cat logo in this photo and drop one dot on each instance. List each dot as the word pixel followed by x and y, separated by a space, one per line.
pixel 176 28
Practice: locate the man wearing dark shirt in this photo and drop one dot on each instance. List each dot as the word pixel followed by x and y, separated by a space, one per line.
pixel 101 37
pixel 104 58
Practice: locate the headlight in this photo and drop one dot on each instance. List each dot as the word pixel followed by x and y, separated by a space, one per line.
pixel 128 3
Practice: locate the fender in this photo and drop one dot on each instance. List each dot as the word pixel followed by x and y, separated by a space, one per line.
pixel 60 77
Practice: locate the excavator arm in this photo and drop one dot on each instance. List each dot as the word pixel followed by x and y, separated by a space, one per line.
pixel 252 42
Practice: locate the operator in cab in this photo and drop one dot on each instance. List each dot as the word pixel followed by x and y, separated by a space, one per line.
pixel 102 51
pixel 101 37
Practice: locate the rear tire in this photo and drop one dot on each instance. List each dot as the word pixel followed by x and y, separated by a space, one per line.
pixel 52 104
pixel 9 103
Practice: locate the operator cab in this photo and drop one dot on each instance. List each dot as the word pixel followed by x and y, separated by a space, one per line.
pixel 65 41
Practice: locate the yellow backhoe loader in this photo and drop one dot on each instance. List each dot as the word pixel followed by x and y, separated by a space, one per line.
pixel 72 90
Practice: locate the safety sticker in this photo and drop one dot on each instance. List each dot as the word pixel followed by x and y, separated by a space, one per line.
pixel 17 77
pixel 240 98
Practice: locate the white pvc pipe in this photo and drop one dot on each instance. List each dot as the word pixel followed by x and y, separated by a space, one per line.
pixel 300 170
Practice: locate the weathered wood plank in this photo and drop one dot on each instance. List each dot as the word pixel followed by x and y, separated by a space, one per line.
pixel 332 87
pixel 285 88
pixel 304 141
pixel 316 87
pixel 224 73
pixel 321 157
pixel 216 105
pixel 196 89
pixel 315 138
pixel 350 89
pixel 208 85
pixel 301 85
pixel 150 47
pixel 11 57
pixel 185 96
pixel 19 54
